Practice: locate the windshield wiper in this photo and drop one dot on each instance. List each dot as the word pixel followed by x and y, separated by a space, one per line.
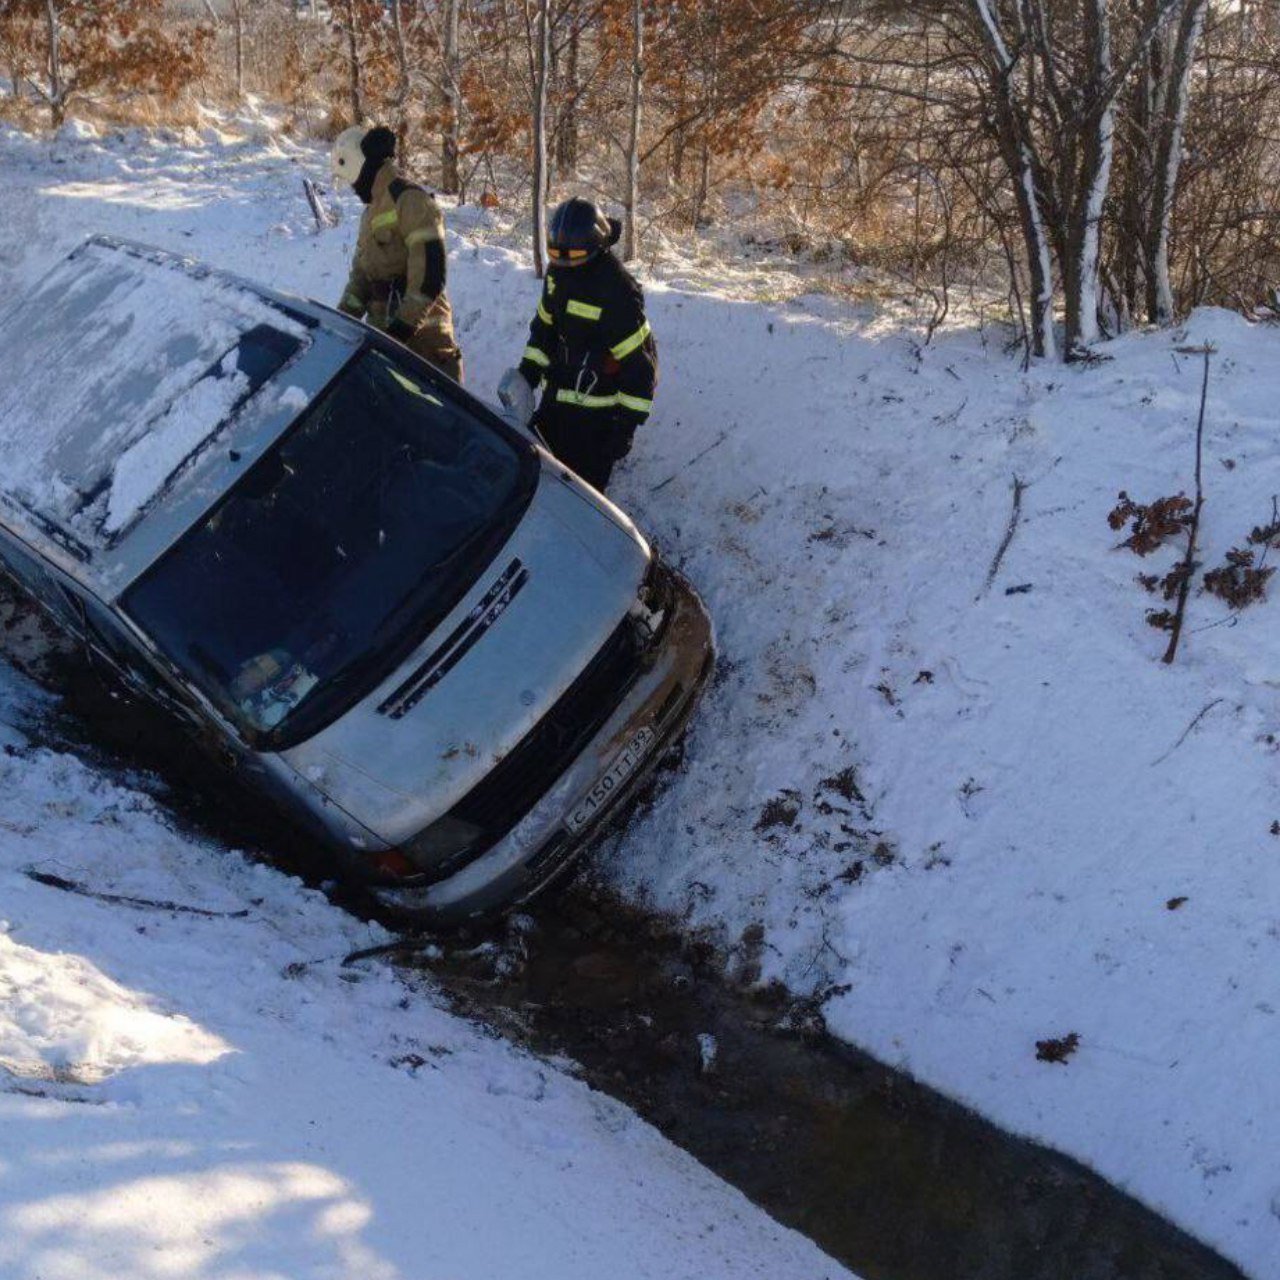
pixel 385 638
pixel 389 628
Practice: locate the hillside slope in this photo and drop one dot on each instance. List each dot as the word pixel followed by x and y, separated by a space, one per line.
pixel 970 818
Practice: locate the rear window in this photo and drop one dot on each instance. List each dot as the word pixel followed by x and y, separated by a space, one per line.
pixel 115 372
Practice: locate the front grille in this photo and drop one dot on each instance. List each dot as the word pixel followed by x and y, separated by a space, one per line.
pixel 530 768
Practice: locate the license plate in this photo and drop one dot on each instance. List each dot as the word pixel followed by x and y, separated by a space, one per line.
pixel 610 783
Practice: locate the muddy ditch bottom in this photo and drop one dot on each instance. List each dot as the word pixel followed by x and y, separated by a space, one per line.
pixel 884 1174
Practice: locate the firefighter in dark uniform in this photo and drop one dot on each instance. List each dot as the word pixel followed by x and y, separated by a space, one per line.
pixel 590 348
pixel 397 280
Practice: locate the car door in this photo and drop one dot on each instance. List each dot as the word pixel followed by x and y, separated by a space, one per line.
pixel 31 576
pixel 109 644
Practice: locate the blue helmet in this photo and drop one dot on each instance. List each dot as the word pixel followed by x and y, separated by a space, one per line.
pixel 579 232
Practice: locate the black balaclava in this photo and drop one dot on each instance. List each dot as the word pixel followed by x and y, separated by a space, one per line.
pixel 378 145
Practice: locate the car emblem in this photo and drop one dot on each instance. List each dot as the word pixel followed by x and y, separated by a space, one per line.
pixel 459 643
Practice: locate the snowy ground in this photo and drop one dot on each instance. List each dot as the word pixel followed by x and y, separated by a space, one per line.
pixel 962 814
pixel 212 1095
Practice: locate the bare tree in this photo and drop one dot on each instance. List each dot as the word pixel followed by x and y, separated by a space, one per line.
pixel 451 100
pixel 539 68
pixel 237 20
pixel 69 49
pixel 1038 145
pixel 1089 151
pixel 1169 76
pixel 570 89
pixel 59 90
pixel 1007 117
pixel 348 24
pixel 403 80
pixel 630 244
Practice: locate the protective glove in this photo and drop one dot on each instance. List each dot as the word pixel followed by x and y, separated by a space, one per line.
pixel 620 431
pixel 516 397
pixel 400 331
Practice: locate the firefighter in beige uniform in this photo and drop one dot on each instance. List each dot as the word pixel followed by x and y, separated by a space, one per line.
pixel 397 280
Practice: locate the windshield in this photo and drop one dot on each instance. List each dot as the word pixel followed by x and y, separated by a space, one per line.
pixel 336 553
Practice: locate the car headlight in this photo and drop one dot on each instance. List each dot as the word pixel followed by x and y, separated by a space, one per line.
pixel 652 607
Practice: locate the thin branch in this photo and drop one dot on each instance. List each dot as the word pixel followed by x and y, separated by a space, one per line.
pixel 125 900
pixel 1186 733
pixel 1193 531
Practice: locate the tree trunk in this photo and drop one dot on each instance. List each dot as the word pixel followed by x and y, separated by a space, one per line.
pixel 711 89
pixel 1009 125
pixel 541 70
pixel 680 138
pixel 698 213
pixel 1134 197
pixel 355 87
pixel 451 95
pixel 402 72
pixel 57 89
pixel 1091 178
pixel 237 17
pixel 1179 47
pixel 567 131
pixel 631 242
pixel 1035 241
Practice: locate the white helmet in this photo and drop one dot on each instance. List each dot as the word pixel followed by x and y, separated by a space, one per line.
pixel 346 159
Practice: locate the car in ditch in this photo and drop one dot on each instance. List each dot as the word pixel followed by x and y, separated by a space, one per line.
pixel 386 608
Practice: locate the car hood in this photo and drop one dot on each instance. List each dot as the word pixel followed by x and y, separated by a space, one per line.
pixel 482 679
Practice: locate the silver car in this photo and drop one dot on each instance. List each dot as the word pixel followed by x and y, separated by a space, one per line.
pixel 388 609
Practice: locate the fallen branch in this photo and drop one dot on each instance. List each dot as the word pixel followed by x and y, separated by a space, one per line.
pixel 385 949
pixel 1187 732
pixel 1019 487
pixel 124 900
pixel 697 457
pixel 324 219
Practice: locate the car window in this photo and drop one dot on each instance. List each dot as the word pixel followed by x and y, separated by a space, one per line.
pixel 106 632
pixel 116 646
pixel 31 575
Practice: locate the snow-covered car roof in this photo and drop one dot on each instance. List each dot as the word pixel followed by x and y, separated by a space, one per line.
pixel 135 387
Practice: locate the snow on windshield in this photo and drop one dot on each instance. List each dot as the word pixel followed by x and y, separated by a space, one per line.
pixel 112 374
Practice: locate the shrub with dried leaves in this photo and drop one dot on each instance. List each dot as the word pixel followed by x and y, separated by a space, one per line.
pixel 1266 535
pixel 1057 1048
pixel 1239 581
pixel 1153 523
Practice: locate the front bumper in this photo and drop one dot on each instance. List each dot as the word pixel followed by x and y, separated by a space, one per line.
pixel 541 846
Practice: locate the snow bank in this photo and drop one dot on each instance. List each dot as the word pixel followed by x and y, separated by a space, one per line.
pixel 213 1096
pixel 978 817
